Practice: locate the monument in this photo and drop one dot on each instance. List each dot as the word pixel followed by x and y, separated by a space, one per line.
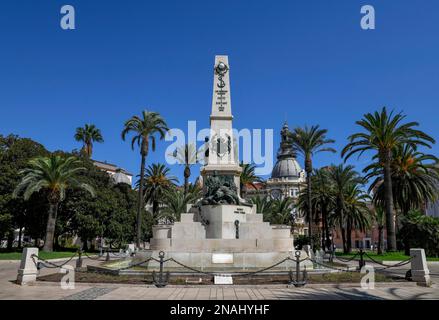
pixel 222 231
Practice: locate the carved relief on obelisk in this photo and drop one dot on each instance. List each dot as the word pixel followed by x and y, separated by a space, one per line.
pixel 222 156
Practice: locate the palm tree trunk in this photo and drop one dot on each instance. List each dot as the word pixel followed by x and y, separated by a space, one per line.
pixel 380 239
pixel 328 240
pixel 140 200
pixel 20 233
pixel 323 229
pixel 187 173
pixel 388 195
pixel 308 182
pixel 349 236
pixel 343 239
pixel 50 228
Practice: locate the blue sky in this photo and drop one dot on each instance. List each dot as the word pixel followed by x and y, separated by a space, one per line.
pixel 308 62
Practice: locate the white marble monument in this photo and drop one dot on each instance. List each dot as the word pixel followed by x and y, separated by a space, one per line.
pixel 225 234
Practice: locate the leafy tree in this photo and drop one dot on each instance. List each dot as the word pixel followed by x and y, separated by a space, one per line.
pixel 111 214
pixel 15 153
pixel 87 135
pixel 145 129
pixel 309 141
pixel 382 133
pixel 421 231
pixel 54 174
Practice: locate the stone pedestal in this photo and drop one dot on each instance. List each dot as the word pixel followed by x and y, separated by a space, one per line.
pixel 27 273
pixel 420 272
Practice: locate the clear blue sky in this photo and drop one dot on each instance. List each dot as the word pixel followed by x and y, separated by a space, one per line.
pixel 308 62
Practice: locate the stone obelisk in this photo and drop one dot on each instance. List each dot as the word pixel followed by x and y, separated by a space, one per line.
pixel 223 152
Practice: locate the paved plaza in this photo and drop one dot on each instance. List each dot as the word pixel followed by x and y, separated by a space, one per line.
pixel 53 291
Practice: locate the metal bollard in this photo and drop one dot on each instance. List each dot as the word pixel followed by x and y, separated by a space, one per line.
pixel 108 255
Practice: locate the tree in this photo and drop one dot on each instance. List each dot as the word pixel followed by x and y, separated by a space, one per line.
pixel 15 153
pixel 357 213
pixel 263 204
pixel 308 142
pixel 383 132
pixel 87 135
pixel 176 202
pixel 187 156
pixel 415 179
pixel 343 178
pixel 54 174
pixel 380 218
pixel 157 181
pixel 248 177
pixel 281 211
pixel 322 199
pixel 145 129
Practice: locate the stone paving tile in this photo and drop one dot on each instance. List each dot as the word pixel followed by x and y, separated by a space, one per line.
pixel 190 294
pixel 203 294
pixel 229 294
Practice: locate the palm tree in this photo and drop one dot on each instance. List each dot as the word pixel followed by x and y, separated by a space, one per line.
pixel 383 132
pixel 414 182
pixel 88 134
pixel 187 156
pixel 157 181
pixel 176 202
pixel 342 177
pixel 55 175
pixel 248 177
pixel 281 211
pixel 357 213
pixel 308 142
pixel 263 204
pixel 322 195
pixel 144 129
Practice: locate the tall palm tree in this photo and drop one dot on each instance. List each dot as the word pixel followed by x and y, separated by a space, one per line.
pixel 309 141
pixel 157 181
pixel 145 129
pixel 88 134
pixel 384 131
pixel 342 177
pixel 248 177
pixel 186 155
pixel 55 175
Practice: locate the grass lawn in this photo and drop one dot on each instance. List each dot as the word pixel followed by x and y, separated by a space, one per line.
pixel 42 254
pixel 390 256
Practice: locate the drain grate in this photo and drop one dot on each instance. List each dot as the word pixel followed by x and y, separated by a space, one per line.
pixel 89 294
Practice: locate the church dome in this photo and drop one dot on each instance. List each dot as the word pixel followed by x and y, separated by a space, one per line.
pixel 286 165
pixel 286 168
